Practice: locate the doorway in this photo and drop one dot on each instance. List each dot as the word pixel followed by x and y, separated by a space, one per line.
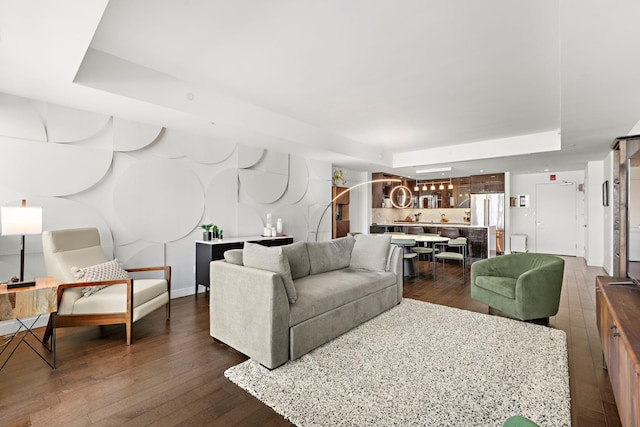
pixel 556 218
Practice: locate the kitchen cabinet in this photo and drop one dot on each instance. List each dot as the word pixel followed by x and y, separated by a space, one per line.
pixel 488 183
pixel 617 314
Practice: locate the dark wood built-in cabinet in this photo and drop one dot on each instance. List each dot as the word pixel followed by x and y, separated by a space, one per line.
pixel 618 317
pixel 340 211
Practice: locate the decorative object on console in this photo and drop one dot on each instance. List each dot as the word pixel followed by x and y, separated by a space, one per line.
pixel 206 235
pixel 21 221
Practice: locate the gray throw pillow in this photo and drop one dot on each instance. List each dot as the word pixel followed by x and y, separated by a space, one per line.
pixel 370 252
pixel 298 257
pixel 332 255
pixel 233 256
pixel 270 259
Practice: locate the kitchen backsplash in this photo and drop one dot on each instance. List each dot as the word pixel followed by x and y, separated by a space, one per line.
pixel 389 215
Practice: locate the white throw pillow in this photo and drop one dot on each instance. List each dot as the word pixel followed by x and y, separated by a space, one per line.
pixel 270 259
pixel 233 256
pixel 370 252
pixel 110 270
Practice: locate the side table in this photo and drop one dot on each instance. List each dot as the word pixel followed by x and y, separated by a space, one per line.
pixel 18 303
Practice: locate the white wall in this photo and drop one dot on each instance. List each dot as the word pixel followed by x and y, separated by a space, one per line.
pixel 595 213
pixel 148 189
pixel 607 217
pixel 523 220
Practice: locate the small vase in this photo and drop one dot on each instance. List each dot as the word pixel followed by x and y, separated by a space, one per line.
pixel 206 235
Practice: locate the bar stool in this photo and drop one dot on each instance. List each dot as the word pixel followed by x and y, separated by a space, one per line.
pixel 458 252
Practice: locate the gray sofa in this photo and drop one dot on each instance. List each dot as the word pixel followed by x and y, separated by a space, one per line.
pixel 277 304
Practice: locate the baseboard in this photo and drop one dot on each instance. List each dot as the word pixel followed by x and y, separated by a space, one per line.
pixel 11 326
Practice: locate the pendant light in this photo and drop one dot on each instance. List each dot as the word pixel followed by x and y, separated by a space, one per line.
pixel 416 188
pixel 433 187
pixel 450 187
pixel 441 187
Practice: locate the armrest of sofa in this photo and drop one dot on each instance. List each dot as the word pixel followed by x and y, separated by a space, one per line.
pixel 395 266
pixel 249 311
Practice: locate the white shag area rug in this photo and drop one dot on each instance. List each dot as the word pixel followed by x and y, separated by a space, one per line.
pixel 421 364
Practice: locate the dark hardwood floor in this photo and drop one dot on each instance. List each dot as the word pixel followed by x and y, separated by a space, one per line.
pixel 173 372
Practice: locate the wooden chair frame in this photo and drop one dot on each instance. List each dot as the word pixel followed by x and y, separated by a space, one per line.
pixel 68 320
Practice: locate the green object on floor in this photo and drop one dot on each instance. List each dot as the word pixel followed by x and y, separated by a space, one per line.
pixel 518 421
pixel 525 286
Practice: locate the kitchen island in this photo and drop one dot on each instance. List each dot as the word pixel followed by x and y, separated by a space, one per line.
pixel 481 239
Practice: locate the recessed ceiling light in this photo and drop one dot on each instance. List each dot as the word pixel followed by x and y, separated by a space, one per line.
pixel 546 169
pixel 481 170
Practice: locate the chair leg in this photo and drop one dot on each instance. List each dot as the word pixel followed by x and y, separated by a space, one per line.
pixel 128 326
pixel 48 331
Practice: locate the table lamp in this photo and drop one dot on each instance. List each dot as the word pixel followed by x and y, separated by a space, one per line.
pixel 20 221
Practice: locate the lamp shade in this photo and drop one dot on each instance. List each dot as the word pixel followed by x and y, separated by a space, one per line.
pixel 21 220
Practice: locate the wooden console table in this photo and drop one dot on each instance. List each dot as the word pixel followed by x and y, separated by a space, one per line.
pixel 211 250
pixel 18 303
pixel 618 316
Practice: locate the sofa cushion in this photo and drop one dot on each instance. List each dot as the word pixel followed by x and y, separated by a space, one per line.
pixel 505 286
pixel 270 259
pixel 371 252
pixel 298 257
pixel 233 256
pixel 321 293
pixel 331 255
pixel 110 270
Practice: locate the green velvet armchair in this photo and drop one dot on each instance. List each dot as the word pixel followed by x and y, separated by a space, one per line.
pixel 524 286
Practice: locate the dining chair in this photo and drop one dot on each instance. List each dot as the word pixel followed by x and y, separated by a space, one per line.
pixel 456 249
pixel 408 256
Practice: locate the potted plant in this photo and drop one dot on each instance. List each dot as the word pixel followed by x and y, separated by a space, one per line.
pixel 206 235
pixel 214 231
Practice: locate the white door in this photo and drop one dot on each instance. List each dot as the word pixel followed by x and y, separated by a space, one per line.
pixel 556 217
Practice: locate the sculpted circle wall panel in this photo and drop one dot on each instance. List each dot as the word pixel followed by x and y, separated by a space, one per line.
pixel 46 169
pixel 69 125
pixel 222 201
pixel 140 254
pixel 273 162
pixel 250 222
pixel 207 150
pixel 159 200
pixel 167 145
pixel 262 187
pixel 20 118
pixel 298 180
pixel 130 136
pixel 248 156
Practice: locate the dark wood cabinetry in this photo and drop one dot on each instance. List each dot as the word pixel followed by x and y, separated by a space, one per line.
pixel 214 250
pixel 618 314
pixel 489 183
pixel 340 211
pixel 430 194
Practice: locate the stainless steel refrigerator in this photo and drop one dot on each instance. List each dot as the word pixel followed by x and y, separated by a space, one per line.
pixel 488 210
